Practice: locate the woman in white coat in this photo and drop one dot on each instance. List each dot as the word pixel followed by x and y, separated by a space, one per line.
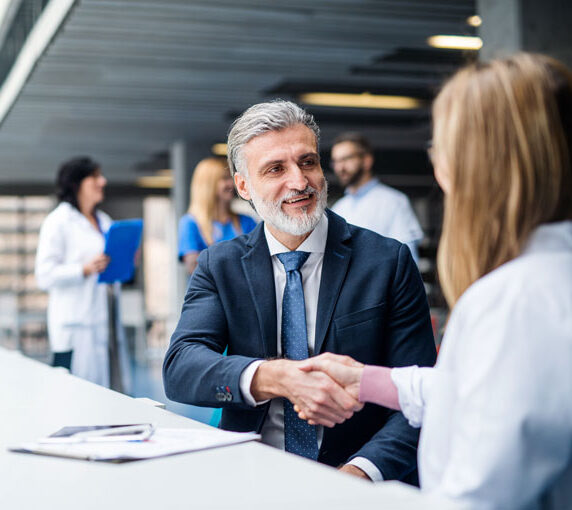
pixel 496 410
pixel 69 258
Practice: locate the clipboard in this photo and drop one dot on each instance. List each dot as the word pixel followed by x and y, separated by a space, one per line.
pixel 163 442
pixel 121 243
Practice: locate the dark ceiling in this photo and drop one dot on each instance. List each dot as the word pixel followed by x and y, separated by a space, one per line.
pixel 122 80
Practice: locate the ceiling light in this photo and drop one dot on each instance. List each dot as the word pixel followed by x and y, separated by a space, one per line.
pixel 155 181
pixel 219 149
pixel 455 42
pixel 365 100
pixel 474 21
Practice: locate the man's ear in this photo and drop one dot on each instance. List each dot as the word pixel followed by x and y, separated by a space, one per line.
pixel 368 162
pixel 241 187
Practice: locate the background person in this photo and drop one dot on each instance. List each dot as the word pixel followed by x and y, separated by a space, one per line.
pixel 68 260
pixel 496 412
pixel 367 202
pixel 302 282
pixel 210 219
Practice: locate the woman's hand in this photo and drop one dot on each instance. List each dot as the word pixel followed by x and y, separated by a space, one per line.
pixel 342 369
pixel 96 265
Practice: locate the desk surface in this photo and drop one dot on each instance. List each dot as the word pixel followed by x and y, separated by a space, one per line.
pixel 37 400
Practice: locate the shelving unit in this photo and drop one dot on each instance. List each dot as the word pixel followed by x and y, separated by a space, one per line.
pixel 22 305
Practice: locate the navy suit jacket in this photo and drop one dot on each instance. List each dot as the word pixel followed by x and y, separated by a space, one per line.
pixel 371 306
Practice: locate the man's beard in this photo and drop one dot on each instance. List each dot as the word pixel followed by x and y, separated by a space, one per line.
pixel 272 213
pixel 356 177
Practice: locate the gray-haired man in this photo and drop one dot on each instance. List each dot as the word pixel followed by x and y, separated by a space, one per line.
pixel 303 282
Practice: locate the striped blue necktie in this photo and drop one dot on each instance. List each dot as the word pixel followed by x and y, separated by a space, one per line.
pixel 299 437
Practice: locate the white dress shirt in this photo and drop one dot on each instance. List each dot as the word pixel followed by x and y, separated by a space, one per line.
pixel 384 210
pixel 497 408
pixel 315 244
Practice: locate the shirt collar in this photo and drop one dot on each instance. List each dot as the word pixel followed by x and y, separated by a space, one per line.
pixel 314 243
pixel 73 212
pixel 550 237
pixel 360 192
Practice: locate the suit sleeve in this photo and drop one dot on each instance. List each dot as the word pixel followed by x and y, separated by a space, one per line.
pixel 409 341
pixel 195 370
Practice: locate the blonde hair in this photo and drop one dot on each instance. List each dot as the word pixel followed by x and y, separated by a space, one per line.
pixel 203 200
pixel 503 134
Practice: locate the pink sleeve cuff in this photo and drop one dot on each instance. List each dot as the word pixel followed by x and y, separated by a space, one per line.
pixel 377 387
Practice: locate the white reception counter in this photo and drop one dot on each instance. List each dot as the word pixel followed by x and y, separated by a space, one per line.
pixel 37 400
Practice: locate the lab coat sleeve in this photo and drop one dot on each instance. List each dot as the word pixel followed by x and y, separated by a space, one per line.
pixel 51 268
pixel 413 385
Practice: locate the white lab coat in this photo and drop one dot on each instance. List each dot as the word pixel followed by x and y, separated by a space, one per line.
pixel 496 411
pixel 78 305
pixel 384 210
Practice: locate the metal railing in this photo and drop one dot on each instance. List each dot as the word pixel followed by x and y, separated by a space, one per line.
pixel 20 27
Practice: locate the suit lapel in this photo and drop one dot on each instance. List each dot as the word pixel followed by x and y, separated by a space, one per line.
pixel 336 261
pixel 257 267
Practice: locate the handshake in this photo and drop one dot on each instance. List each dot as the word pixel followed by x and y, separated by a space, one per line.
pixel 324 389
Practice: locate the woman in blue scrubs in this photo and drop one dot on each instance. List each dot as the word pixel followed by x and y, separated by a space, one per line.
pixel 210 219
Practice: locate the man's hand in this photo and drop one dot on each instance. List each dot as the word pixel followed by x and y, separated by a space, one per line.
pixel 354 471
pixel 344 370
pixel 314 394
pixel 96 264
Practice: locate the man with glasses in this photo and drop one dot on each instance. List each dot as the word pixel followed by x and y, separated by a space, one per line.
pixel 367 202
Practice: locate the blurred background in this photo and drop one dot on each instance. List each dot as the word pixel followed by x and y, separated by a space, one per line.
pixel 149 88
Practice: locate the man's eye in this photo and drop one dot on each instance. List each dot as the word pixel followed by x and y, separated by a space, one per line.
pixel 308 162
pixel 274 169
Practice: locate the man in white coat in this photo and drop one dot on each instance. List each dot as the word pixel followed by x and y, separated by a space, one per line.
pixel 367 202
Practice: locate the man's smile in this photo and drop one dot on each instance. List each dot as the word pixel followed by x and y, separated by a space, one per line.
pixel 299 198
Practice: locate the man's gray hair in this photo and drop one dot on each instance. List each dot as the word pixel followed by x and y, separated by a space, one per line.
pixel 262 118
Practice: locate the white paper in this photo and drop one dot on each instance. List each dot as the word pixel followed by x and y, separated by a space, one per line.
pixel 164 441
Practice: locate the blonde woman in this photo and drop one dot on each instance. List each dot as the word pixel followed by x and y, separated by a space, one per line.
pixel 496 410
pixel 210 219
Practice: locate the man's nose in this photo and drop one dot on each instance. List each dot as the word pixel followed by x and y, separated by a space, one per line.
pixel 337 166
pixel 296 178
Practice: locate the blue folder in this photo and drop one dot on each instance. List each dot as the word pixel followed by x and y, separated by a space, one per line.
pixel 121 243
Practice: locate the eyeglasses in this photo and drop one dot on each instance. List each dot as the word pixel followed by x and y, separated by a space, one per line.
pixel 344 159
